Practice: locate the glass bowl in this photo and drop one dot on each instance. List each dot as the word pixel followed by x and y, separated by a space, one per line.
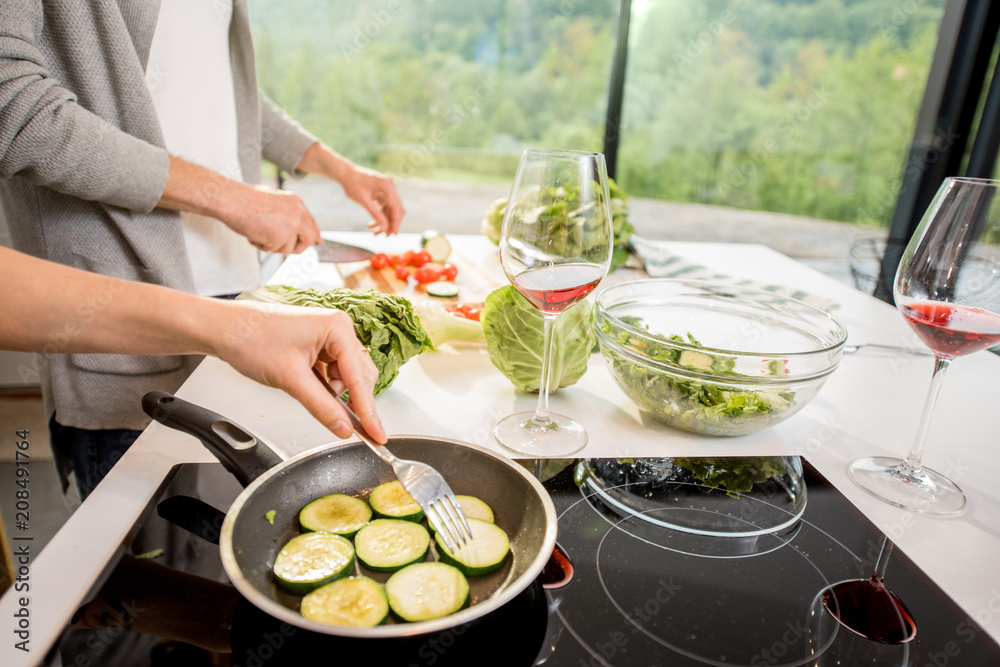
pixel 715 358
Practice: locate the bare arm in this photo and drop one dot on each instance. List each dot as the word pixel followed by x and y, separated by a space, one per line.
pixel 371 189
pixel 51 308
pixel 272 220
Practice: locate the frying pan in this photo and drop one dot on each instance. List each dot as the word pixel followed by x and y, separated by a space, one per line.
pixel 249 542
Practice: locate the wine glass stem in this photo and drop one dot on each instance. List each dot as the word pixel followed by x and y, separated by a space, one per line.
pixel 912 462
pixel 878 576
pixel 541 417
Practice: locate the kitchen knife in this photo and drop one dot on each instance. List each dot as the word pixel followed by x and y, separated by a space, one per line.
pixel 335 252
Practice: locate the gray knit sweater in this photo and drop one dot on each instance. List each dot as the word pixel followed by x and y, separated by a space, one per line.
pixel 82 166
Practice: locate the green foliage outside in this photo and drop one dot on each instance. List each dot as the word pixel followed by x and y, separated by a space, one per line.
pixel 797 106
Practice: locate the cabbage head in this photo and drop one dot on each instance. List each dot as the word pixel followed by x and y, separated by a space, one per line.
pixel 514 335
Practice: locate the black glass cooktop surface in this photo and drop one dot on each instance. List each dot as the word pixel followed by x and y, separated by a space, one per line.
pixel 664 569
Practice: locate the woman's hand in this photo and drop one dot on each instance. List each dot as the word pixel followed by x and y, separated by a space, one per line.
pixel 279 345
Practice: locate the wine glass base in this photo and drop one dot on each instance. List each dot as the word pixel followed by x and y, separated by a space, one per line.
pixel 560 438
pixel 926 492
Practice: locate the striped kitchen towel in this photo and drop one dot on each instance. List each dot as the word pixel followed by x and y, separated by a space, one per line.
pixel 659 262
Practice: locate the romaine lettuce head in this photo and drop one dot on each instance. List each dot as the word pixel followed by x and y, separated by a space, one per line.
pixel 514 335
pixel 559 215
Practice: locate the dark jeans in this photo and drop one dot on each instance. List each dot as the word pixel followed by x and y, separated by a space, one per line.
pixel 89 454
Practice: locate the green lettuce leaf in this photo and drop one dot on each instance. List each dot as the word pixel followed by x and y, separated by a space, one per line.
pixel 384 323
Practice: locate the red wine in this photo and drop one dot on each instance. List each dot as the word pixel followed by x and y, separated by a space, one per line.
pixel 871 610
pixel 553 289
pixel 951 329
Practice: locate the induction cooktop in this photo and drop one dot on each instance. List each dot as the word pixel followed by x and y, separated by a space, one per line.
pixel 659 569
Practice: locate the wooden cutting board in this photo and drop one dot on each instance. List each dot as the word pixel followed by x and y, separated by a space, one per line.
pixel 473 283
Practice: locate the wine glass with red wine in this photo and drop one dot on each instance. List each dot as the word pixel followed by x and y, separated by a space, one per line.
pixel 947 288
pixel 555 246
pixel 869 609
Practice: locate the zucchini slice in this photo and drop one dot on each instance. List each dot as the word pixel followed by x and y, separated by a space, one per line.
pixel 474 508
pixel 423 591
pixel 484 553
pixel 391 501
pixel 444 289
pixel 435 243
pixel 385 545
pixel 354 602
pixel 338 513
pixel 311 560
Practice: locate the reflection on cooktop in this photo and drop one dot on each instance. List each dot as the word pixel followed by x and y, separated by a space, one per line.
pixel 655 582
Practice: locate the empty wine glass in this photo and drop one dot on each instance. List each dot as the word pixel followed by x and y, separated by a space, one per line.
pixel 947 288
pixel 555 246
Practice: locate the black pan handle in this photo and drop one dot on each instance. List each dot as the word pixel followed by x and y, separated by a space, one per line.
pixel 242 454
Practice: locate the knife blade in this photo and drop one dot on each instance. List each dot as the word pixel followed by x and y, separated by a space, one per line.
pixel 335 252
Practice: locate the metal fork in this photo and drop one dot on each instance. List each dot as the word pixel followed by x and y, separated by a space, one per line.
pixel 851 349
pixel 424 483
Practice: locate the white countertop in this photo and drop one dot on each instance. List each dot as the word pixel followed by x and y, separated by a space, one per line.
pixel 868 406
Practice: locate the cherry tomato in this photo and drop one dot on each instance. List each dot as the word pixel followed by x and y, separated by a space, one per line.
pixel 474 313
pixel 425 274
pixel 379 261
pixel 402 272
pixel 420 258
pixel 449 271
pixel 408 258
pixel 395 260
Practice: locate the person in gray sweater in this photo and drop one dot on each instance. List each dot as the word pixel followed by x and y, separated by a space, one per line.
pixel 87 180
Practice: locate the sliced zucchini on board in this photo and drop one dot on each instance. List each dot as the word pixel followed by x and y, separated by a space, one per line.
pixel 424 591
pixel 354 602
pixel 385 545
pixel 484 553
pixel 391 501
pixel 436 244
pixel 444 289
pixel 337 513
pixel 311 560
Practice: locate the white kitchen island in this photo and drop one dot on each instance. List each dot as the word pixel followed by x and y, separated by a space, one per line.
pixel 868 406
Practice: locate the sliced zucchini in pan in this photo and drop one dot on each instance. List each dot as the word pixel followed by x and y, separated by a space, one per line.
pixel 474 508
pixel 338 513
pixel 385 545
pixel 424 591
pixel 354 602
pixel 311 560
pixel 484 553
pixel 391 501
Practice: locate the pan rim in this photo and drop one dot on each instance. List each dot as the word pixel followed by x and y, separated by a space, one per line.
pixel 283 613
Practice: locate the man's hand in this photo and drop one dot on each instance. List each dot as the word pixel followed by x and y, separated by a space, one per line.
pixel 272 220
pixel 373 190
